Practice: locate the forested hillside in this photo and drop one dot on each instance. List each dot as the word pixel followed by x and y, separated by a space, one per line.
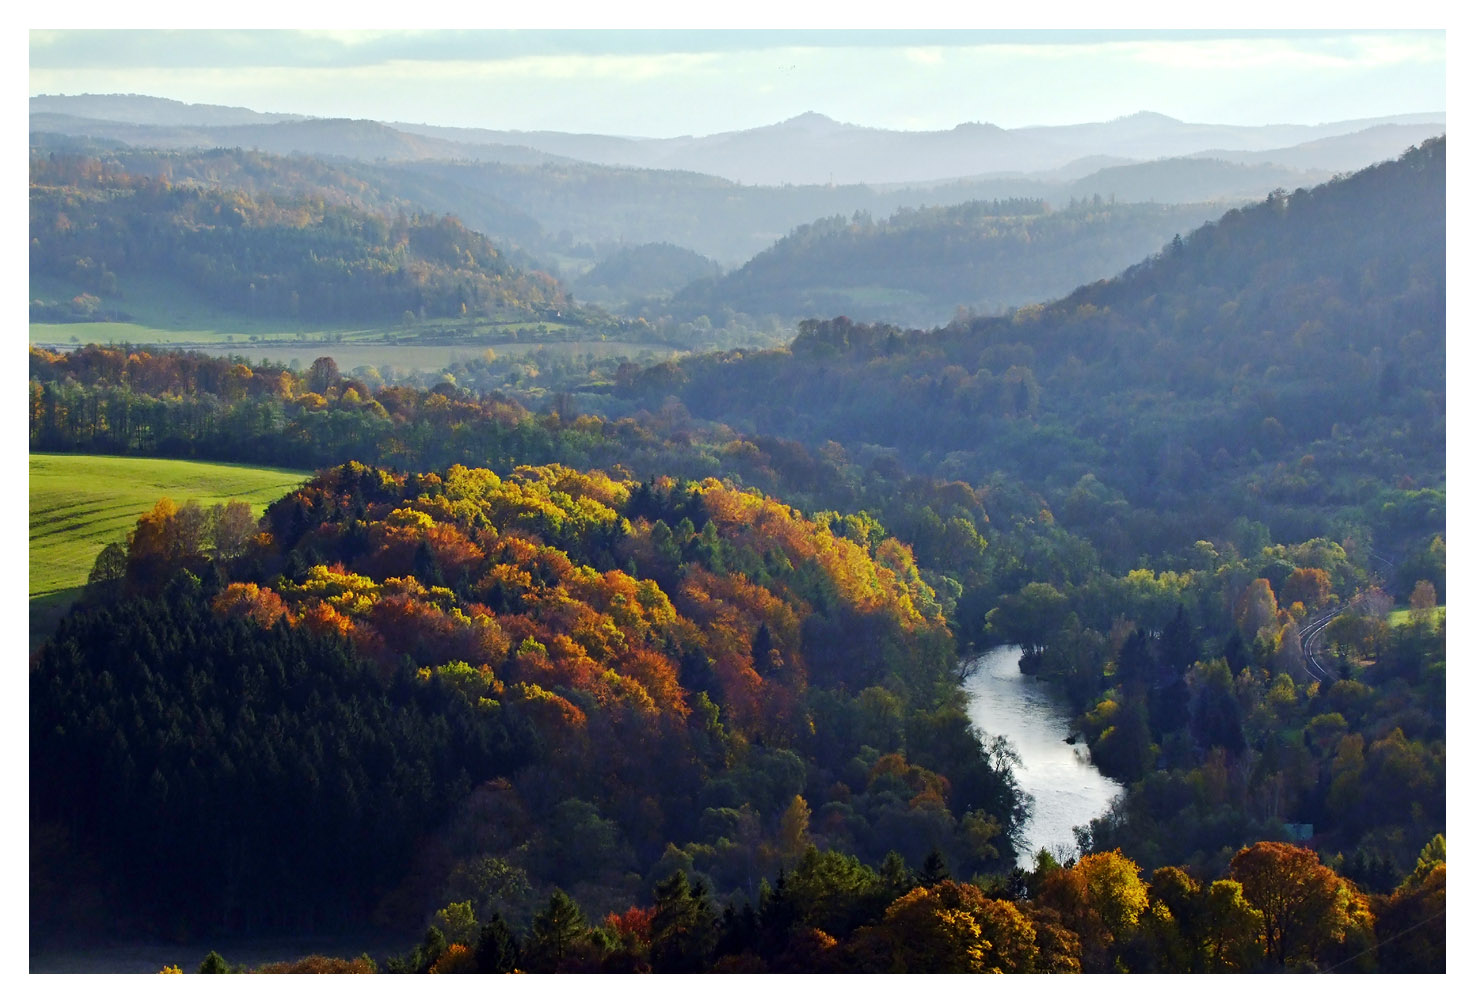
pixel 644 271
pixel 917 267
pixel 1233 744
pixel 400 657
pixel 1284 364
pixel 1251 426
pixel 373 187
pixel 94 225
pixel 921 266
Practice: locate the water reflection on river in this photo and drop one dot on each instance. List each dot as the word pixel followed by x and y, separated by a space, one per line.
pixel 1060 777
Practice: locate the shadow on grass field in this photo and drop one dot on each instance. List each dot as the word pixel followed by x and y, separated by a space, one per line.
pixel 47 611
pixel 116 956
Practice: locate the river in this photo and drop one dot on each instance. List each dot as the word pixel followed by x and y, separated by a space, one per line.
pixel 1067 790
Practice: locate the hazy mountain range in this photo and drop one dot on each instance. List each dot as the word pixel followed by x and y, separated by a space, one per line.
pixel 629 221
pixel 807 149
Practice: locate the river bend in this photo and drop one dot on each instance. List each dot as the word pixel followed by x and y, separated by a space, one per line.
pixel 1066 788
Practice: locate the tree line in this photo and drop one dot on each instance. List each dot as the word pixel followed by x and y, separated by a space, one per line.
pixel 1275 908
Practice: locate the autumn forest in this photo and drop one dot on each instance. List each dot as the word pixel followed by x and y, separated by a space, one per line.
pixel 634 638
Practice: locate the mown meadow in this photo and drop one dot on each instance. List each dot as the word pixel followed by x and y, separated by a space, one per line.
pixel 79 503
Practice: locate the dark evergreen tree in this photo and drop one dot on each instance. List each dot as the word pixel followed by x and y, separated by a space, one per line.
pixel 557 928
pixel 496 948
pixel 934 869
pixel 683 930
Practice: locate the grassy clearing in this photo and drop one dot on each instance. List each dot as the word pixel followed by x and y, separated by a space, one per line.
pixel 412 358
pixel 308 340
pixel 164 312
pixel 409 357
pixel 170 315
pixel 1403 615
pixel 226 338
pixel 79 504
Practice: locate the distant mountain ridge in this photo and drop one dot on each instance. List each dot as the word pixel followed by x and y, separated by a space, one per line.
pixel 141 109
pixel 1344 152
pixel 358 139
pixel 807 149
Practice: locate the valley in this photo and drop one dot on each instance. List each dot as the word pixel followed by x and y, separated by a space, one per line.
pixel 604 553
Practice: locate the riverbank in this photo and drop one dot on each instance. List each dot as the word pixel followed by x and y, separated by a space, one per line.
pixel 1066 790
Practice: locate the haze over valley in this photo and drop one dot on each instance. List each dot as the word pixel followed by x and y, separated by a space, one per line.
pixel 565 204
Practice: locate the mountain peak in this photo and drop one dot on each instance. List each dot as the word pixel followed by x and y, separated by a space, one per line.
pixel 1149 117
pixel 976 127
pixel 812 120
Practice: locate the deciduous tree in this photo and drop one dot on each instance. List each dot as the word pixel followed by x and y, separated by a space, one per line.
pixel 1304 905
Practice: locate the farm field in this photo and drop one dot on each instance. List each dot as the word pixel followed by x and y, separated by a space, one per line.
pixel 349 354
pixel 171 316
pixel 162 312
pixel 80 503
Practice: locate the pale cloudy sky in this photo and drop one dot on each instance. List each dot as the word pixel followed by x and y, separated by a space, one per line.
pixel 675 82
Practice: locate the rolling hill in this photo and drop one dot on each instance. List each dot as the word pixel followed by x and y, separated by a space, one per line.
pixel 94 225
pixel 918 267
pixel 1246 368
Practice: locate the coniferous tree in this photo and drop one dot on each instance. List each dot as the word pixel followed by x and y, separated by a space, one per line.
pixel 557 929
pixel 934 869
pixel 496 949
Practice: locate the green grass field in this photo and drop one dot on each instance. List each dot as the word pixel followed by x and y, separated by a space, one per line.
pixel 1402 615
pixel 350 353
pixel 170 315
pixel 80 503
pixel 164 312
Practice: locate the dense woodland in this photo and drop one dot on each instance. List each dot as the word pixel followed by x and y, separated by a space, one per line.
pixel 303 258
pixel 370 187
pixel 921 266
pixel 642 272
pixel 614 236
pixel 740 585
pixel 405 646
pixel 1284 364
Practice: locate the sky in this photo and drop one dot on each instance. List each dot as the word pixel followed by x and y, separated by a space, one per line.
pixel 698 81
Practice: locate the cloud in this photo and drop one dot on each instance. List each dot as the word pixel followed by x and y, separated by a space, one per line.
pixel 928 57
pixel 679 82
pixel 212 48
pixel 1344 51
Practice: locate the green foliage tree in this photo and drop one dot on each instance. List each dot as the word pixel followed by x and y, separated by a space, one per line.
pixel 213 964
pixel 458 923
pixel 557 931
pixel 1030 617
pixel 683 928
